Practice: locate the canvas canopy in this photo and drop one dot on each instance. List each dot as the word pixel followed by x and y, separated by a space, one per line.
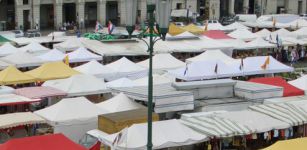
pixel 46 142
pixel 72 116
pixel 119 83
pixel 283 33
pixel 235 26
pixel 289 90
pixel 4 64
pixel 34 47
pixel 212 126
pixel 70 44
pixel 300 83
pixel 56 34
pixel 283 112
pixel 301 33
pixel 162 62
pixel 168 133
pixel 216 34
pixel 6 90
pixel 119 103
pixel 259 43
pixel 53 55
pixel 7 49
pixel 79 85
pixel 212 55
pixel 95 68
pixel 263 33
pixel 11 75
pixel 19 119
pixel 82 55
pixel 211 69
pixel 53 70
pixel 125 68
pixel 181 36
pixel 243 34
pixel 39 92
pixel 256 121
pixel 174 30
pixel 22 59
pixel 215 26
pixel 298 23
pixel 193 29
pixel 297 144
pixel 13 99
pixel 165 97
pixel 157 80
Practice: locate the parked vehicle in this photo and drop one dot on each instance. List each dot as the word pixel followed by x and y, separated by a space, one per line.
pixel 33 33
pixel 18 33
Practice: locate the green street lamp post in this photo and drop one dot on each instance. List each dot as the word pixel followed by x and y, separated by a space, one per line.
pixel 159 14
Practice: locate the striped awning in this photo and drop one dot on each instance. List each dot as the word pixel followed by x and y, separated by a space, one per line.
pixel 282 111
pixel 216 127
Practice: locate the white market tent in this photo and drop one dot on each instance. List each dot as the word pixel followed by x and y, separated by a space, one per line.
pixel 283 33
pixel 79 85
pixel 209 70
pixel 235 26
pixel 72 117
pixel 259 43
pixel 53 55
pixel 157 80
pixel 166 134
pixel 263 33
pixel 165 97
pixel 120 83
pixel 23 59
pixel 95 68
pixel 7 49
pixel 256 121
pixel 215 26
pixel 18 119
pixel 57 34
pixel 184 35
pixel 6 90
pixel 70 44
pixel 283 112
pixel 34 47
pixel 126 68
pixel 82 55
pixel 14 99
pixel 212 55
pixel 243 34
pixel 237 44
pixel 301 33
pixel 119 103
pixel 206 123
pixel 300 83
pixel 252 66
pixel 163 62
pixel 298 23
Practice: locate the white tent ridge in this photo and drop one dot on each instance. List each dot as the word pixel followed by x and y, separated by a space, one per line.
pixel 34 47
pixel 79 85
pixel 243 34
pixel 163 62
pixel 96 69
pixel 23 59
pixel 70 44
pixel 7 49
pixel 53 55
pixel 82 55
pixel 212 55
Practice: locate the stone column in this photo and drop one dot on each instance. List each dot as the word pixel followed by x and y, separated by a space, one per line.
pixel 231 7
pixel 246 6
pixel 214 9
pixel 122 11
pixel 101 10
pixel 58 10
pixel 19 13
pixel 143 8
pixel 80 10
pixel 36 13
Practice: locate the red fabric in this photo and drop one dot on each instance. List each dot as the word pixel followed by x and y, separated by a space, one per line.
pixel 45 142
pixel 96 146
pixel 289 90
pixel 217 34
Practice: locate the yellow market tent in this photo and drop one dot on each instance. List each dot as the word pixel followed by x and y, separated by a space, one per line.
pixel 53 70
pixel 174 30
pixel 294 144
pixel 11 75
pixel 193 29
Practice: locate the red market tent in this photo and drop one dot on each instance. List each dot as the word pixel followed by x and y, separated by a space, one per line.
pixel 289 90
pixel 217 34
pixel 44 142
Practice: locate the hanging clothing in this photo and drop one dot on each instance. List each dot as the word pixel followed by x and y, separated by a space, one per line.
pixel 276 133
pixel 254 136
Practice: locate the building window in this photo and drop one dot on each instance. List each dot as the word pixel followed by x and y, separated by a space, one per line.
pixel 179 6
pixel 25 2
